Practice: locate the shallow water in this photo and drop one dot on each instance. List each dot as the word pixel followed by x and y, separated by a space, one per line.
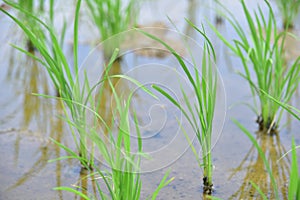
pixel 27 121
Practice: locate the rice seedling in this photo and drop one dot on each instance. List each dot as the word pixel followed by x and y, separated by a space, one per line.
pixel 112 17
pixel 199 115
pixel 63 76
pixel 122 178
pixel 289 10
pixel 28 5
pixel 262 57
pixel 36 8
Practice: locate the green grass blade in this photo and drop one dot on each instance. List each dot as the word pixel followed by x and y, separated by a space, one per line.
pixel 287 107
pixel 205 36
pixel 259 190
pixel 294 174
pixel 83 196
pixel 75 46
pixel 177 56
pixel 164 182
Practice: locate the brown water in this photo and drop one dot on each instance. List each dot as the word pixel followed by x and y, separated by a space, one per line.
pixel 27 121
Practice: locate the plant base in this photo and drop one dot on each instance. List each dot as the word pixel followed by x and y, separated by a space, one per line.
pixel 218 20
pixel 85 165
pixel 270 127
pixel 207 187
pixel 288 25
pixel 30 46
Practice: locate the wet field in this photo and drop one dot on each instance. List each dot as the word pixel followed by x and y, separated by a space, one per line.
pixel 27 121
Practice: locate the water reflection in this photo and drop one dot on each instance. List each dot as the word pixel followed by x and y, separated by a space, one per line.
pixel 29 77
pixel 104 95
pixel 253 167
pixel 44 152
pixel 58 127
pixel 218 18
pixel 36 168
pixel 105 106
pixel 291 53
pixel 86 184
pixel 36 118
pixel 292 46
pixel 192 16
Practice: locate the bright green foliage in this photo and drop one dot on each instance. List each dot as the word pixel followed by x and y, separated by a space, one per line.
pixel 112 17
pixel 63 76
pixel 289 10
pixel 262 56
pixel 31 7
pixel 199 115
pixel 290 109
pixel 122 179
pixel 294 185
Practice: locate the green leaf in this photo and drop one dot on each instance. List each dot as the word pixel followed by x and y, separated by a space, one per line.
pixel 163 183
pixel 73 191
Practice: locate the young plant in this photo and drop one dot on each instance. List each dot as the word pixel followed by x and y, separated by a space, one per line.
pixel 122 178
pixel 63 76
pixel 289 10
pixel 267 69
pixel 202 112
pixel 122 181
pixel 112 17
pixel 30 7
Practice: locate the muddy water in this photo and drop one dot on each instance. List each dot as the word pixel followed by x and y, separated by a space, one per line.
pixel 27 121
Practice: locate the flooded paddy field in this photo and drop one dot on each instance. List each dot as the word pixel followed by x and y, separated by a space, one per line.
pixel 27 121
